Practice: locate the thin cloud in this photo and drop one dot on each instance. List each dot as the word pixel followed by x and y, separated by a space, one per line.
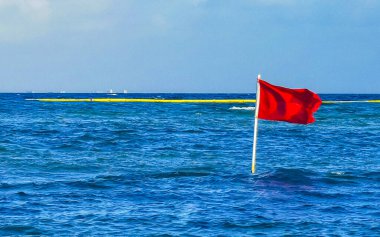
pixel 22 20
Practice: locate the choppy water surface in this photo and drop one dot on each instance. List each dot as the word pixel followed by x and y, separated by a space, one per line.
pixel 184 169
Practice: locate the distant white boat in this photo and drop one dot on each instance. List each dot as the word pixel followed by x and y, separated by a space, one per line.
pixel 125 91
pixel 110 92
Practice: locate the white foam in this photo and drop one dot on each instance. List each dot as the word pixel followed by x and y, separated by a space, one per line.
pixel 250 108
pixel 338 173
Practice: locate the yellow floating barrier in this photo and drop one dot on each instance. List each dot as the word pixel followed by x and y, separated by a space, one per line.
pixel 350 101
pixel 118 100
pixel 184 101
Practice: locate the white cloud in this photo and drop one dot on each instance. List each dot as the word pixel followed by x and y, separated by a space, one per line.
pixel 27 19
pixel 22 20
pixel 19 17
pixel 36 9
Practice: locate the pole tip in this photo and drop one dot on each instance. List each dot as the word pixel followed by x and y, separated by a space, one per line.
pixel 259 76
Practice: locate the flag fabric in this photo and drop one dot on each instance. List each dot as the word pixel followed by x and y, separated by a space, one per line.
pixel 284 104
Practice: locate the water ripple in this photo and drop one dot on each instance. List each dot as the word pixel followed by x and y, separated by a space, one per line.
pixel 174 169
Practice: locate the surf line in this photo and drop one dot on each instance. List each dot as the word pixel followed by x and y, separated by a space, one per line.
pixel 184 101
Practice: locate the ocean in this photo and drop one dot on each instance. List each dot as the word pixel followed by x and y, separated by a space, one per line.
pixel 140 169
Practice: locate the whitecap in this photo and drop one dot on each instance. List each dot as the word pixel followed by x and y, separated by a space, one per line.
pixel 250 108
pixel 338 173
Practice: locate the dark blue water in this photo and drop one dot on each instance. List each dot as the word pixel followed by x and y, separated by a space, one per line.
pixel 184 169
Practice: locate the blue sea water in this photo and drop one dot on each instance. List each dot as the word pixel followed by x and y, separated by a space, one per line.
pixel 127 169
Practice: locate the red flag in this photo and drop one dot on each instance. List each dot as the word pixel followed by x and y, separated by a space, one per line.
pixel 289 105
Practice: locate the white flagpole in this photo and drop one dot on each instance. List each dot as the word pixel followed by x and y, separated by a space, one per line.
pixel 256 124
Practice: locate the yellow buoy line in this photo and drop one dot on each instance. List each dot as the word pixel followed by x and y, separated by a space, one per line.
pixel 350 101
pixel 137 100
pixel 128 100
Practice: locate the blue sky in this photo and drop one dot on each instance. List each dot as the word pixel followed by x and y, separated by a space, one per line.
pixel 328 46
